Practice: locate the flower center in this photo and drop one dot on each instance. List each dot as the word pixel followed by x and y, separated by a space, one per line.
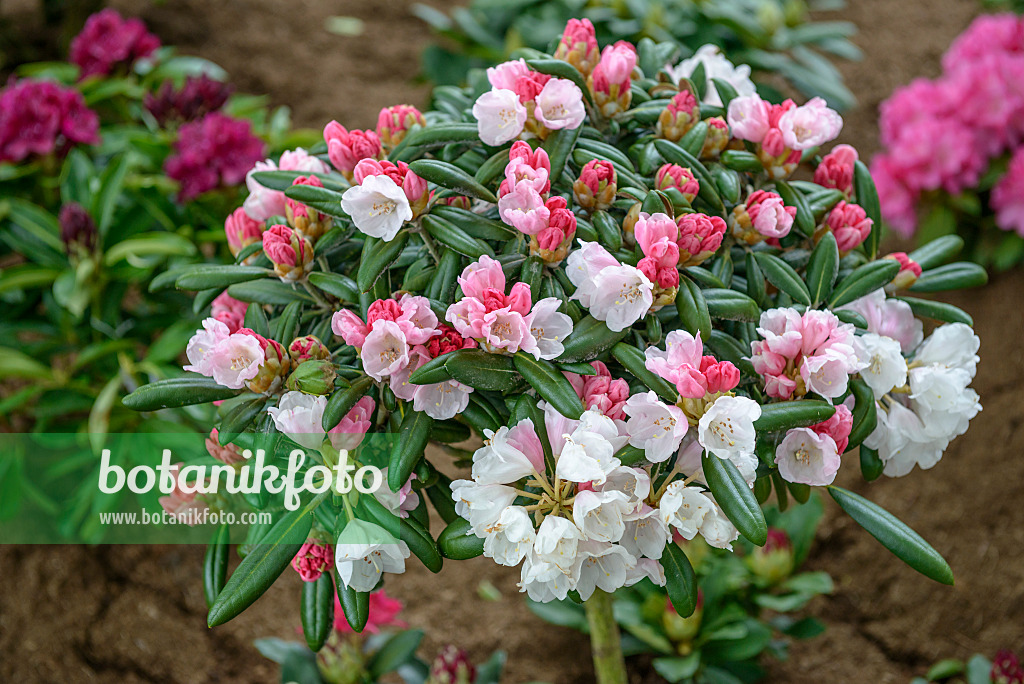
pixel 382 207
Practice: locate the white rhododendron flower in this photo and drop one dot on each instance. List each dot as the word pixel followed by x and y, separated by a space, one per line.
pixel 654 426
pixel 378 207
pixel 511 537
pixel 717 66
pixel 883 364
pixel 300 416
pixel 599 515
pixel 615 293
pixel 500 116
pixel 685 508
pixel 808 458
pixel 727 428
pixel 602 566
pixel 364 552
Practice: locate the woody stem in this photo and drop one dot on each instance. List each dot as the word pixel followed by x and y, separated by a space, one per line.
pixel 605 641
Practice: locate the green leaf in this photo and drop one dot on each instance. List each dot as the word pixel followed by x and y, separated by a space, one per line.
pixel 865 279
pixel 408 448
pixel 867 197
pixel 693 308
pixel 608 229
pixel 452 177
pixel 559 146
pixel 261 567
pixel 215 563
pixel 324 200
pixel 422 545
pixel 944 669
pixel 267 291
pixel 781 275
pixel 256 320
pixel 731 305
pixel 395 652
pixel 156 244
pixel 589 339
pixel 794 198
pixel 871 466
pixel 317 611
pixel 894 535
pixel 785 415
pixel 677 155
pixel 865 417
pixel 938 251
pixel 16 364
pixel 736 499
pixel 342 401
pixel 337 285
pixel 677 669
pixel 550 384
pixel 111 183
pixel 939 311
pixel 453 237
pixel 377 256
pixel 634 361
pixel 480 370
pixel 458 542
pixel 728 183
pixel 741 160
pixel 474 224
pixel 822 269
pixel 958 276
pixel 355 604
pixel 680 580
pixel 442 134
pixel 208 276
pixel 240 417
pixel 177 392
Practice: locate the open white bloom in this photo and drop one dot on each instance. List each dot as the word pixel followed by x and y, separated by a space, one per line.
pixel 646 533
pixel 634 483
pixel 599 515
pixel 684 508
pixel 441 400
pixel 378 207
pixel 543 581
pixel 902 442
pixel 602 566
pixel 805 457
pixel 883 364
pixel 510 538
pixel 715 66
pixel 364 552
pixel 937 388
pixel 300 416
pixel 500 116
pixel 560 105
pixel 889 317
pixel 717 529
pixel 953 345
pixel 502 460
pixel 646 568
pixel 691 461
pixel 480 504
pixel 548 327
pixel 588 453
pixel 727 428
pixel 615 293
pixel 654 426
pixel 556 542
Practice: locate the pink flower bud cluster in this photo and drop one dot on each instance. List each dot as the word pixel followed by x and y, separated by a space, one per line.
pixel 684 364
pixel 601 391
pixel 42 118
pixel 523 203
pixel 679 178
pixel 909 272
pixel 195 99
pixel 212 152
pixel 850 225
pixel 679 116
pixel 228 454
pixel 312 560
pixel 263 202
pixel 229 311
pixel 836 169
pixel 595 189
pixel 307 222
pixel 942 134
pixel 783 131
pixel 700 236
pixel 108 41
pixel 578 46
pixel 658 235
pixel 610 80
pixel 395 121
pixel 763 216
pixel 242 230
pixel 347 148
pixel 291 254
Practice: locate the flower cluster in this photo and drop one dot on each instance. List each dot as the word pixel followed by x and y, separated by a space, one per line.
pixel 196 98
pixel 40 118
pixel 108 42
pixel 214 151
pixel 942 134
pixel 782 132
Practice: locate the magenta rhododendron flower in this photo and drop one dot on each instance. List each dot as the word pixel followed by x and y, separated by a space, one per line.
pixel 195 99
pixel 109 41
pixel 850 225
pixel 312 560
pixel 212 152
pixel 1008 196
pixel 42 118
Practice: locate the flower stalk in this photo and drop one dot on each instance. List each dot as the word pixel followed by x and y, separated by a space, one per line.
pixel 605 641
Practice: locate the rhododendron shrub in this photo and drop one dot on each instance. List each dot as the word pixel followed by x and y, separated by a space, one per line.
pixel 952 160
pixel 647 329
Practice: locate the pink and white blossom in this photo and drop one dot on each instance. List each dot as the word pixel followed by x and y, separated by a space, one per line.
pixel 560 105
pixel 654 426
pixel 615 293
pixel 378 207
pixel 500 116
pixel 805 457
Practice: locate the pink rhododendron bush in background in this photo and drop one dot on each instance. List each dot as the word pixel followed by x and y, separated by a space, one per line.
pixel 614 292
pixel 953 160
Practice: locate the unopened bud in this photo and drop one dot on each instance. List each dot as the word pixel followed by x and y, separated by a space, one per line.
pixel 910 271
pixel 595 189
pixel 717 139
pixel 291 254
pixel 394 122
pixel 774 561
pixel 681 114
pixel 306 348
pixel 77 229
pixel 307 221
pixel 452 666
pixel 681 629
pixel 315 376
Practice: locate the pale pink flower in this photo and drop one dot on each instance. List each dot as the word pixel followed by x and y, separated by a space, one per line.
pixel 202 343
pixel 769 215
pixel 346 148
pixel 836 169
pixel 524 209
pixel 179 503
pixel 400 502
pixel 615 293
pixel 654 426
pixel 560 105
pixel 500 116
pixel 680 363
pixel 805 457
pixel 262 202
pixel 350 430
pixel 889 317
pixel 226 453
pixel 748 118
pixel 300 417
pixel 657 235
pixel 526 166
pixel 810 125
pixel 350 328
pixel 385 350
pixel 504 76
pixel 616 65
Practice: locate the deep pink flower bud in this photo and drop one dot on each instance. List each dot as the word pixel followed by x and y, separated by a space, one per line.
pixel 678 177
pixel 275 367
pixel 837 427
pixel 241 230
pixel 307 348
pixel 291 254
pixel 382 310
pixel 700 236
pixel 610 79
pixel 717 139
pixel 1006 669
pixel 414 187
pixel 347 148
pixel 448 341
pixel 836 169
pixel 107 42
pixel 595 189
pixel 681 114
pixel 229 311
pixel 774 561
pixel 77 229
pixel 452 666
pixel 395 121
pixel 603 392
pixel 526 165
pixel 552 242
pixel 307 222
pixel 312 560
pixel 721 376
pixel 228 454
pixel 529 84
pixel 578 46
pixel 850 225
pixel 909 272
pixel 764 215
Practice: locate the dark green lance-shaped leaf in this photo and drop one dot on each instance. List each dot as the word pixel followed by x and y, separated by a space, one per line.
pixel 256 320
pixel 452 177
pixel 531 274
pixel 559 146
pixel 267 291
pixel 589 339
pixel 240 416
pixel 865 279
pixel 793 414
pixel 432 372
pixel 634 361
pixel 282 180
pixel 736 499
pixel 939 311
pixel 408 447
pixel 395 652
pixel 631 455
pixel 377 256
pixel 680 580
pixel 731 305
pixel 727 182
pixel 608 229
pixel 958 276
pixel 206 276
pixel 677 155
pixel 453 237
pixel 755 280
pixel 215 564
pixel 693 141
pixel 865 416
pixel 480 370
pixel 264 563
pixel 324 200
pixel 442 286
pixel 441 135
pixel 336 284
pixel 867 197
pixel 493 168
pixel 355 604
pixel 741 160
pixel 458 542
pixel 177 392
pixel 440 495
pixel 474 224
pixel 852 317
pixel 937 252
pixel 894 535
pixel 693 308
pixel 550 384
pixel 603 150
pixel 726 92
pixel 804 222
pixel 823 268
pixel 656 202
pixel 317 611
pixel 781 275
pixel 871 465
pixel 821 203
pixel 342 401
pixel 419 541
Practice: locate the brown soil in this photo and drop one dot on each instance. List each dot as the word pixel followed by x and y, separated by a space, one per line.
pixel 136 614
